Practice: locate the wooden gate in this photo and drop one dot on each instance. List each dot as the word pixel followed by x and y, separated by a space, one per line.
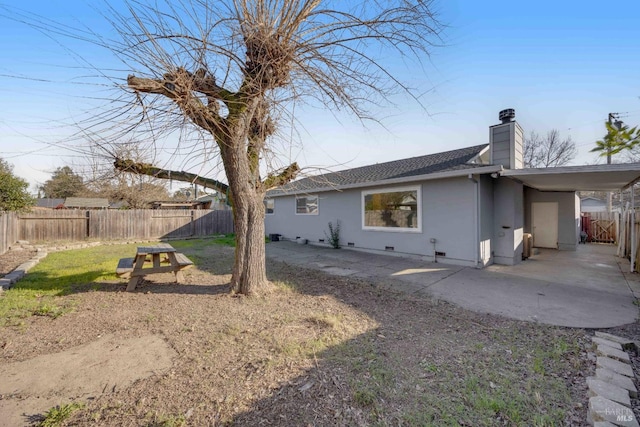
pixel 600 226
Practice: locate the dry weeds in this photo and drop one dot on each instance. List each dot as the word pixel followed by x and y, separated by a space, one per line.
pixel 319 351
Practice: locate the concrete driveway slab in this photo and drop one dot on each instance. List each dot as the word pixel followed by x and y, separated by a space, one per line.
pixel 536 300
pixel 585 288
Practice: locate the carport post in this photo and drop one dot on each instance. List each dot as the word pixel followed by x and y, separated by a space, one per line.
pixel 633 230
pixel 620 216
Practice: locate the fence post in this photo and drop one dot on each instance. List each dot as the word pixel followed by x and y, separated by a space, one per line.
pixel 193 223
pixel 88 215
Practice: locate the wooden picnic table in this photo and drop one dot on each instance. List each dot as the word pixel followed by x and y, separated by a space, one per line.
pixel 159 258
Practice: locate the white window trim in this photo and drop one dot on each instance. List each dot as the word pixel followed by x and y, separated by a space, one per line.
pixel 274 207
pixel 416 188
pixel 295 205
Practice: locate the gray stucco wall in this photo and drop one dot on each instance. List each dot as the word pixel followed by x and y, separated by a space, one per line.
pixel 448 210
pixel 568 214
pixel 508 221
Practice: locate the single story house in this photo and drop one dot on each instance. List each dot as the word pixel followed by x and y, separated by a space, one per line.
pixel 215 201
pixel 86 203
pixel 49 203
pixel 471 206
pixel 175 204
pixel 590 204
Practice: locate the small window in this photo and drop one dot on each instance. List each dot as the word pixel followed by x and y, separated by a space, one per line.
pixel 393 209
pixel 307 205
pixel 269 206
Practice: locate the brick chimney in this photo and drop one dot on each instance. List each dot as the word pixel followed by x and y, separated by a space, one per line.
pixel 506 141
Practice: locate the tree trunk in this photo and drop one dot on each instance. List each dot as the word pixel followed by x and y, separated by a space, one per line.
pixel 249 269
pixel 249 275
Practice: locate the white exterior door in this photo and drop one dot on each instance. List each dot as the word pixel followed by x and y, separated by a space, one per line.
pixel 544 223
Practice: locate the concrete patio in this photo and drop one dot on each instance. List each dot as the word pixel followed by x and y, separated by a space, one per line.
pixel 588 288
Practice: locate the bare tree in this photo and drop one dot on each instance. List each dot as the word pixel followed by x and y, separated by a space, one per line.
pixel 548 151
pixel 224 77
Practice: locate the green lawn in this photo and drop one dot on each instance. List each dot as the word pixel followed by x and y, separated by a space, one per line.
pixel 39 292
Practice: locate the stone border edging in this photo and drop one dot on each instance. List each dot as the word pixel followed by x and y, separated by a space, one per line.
pixel 612 388
pixel 18 273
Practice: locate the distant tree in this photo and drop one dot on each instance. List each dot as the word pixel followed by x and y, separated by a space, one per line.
pixel 618 138
pixel 64 183
pixel 13 190
pixel 548 151
pixel 183 194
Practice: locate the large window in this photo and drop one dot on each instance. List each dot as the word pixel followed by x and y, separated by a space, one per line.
pixel 392 209
pixel 307 205
pixel 269 206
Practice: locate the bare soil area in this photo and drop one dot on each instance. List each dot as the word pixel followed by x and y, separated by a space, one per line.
pixel 13 258
pixel 319 351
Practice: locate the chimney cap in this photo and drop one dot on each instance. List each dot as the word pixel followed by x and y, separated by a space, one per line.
pixel 507 115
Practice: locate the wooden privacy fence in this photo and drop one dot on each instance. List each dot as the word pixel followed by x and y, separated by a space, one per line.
pixel 8 230
pixel 78 225
pixel 624 244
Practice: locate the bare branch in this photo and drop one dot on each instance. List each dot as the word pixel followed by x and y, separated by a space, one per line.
pixel 285 176
pixel 139 168
pixel 550 151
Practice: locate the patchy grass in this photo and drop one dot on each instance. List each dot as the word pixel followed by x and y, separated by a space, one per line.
pixel 57 415
pixel 41 291
pixel 320 350
pixel 226 240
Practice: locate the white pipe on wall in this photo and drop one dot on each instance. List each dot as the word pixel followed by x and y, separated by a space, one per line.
pixel 477 219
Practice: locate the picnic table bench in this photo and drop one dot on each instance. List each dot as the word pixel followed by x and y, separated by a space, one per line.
pixel 163 258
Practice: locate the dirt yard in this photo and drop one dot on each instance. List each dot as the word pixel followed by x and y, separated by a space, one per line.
pixel 319 351
pixel 13 258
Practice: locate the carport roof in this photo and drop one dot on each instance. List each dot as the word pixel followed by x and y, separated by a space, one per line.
pixel 578 178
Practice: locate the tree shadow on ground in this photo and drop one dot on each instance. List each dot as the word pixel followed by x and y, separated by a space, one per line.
pixel 89 282
pixel 418 363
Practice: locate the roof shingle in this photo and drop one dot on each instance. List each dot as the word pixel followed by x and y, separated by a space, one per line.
pixel 404 168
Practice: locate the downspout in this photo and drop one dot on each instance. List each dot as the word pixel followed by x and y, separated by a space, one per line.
pixel 477 219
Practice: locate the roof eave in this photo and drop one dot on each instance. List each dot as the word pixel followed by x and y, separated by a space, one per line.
pixel 426 177
pixel 521 174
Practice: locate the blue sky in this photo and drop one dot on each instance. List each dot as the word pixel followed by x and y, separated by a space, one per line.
pixel 562 65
